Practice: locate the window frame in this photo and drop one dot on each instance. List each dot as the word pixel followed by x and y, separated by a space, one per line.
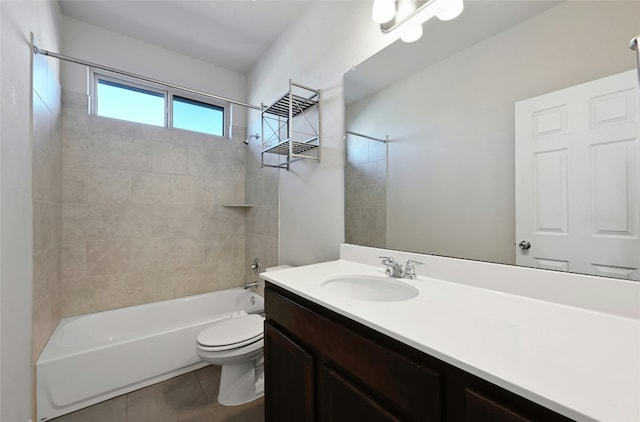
pixel 168 93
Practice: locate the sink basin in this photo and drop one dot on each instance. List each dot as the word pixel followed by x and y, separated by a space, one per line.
pixel 370 288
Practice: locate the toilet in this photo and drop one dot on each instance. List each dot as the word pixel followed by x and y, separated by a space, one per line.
pixel 236 344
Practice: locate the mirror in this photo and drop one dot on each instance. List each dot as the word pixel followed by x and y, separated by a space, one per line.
pixel 447 182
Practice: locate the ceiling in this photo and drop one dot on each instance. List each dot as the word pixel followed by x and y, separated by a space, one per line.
pixel 229 33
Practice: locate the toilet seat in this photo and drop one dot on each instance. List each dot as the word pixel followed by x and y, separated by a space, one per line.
pixel 232 333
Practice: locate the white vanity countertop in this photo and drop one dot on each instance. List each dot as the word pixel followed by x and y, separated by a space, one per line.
pixel 578 362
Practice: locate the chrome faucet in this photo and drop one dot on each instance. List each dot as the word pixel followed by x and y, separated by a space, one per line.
pixel 251 284
pixel 394 269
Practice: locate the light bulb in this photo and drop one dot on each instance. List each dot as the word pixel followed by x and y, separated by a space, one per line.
pixel 412 33
pixel 449 9
pixel 383 10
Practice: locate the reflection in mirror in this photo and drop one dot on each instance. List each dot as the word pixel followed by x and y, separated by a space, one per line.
pixel 448 181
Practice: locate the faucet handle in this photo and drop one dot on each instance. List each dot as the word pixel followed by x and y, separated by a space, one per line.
pixel 410 269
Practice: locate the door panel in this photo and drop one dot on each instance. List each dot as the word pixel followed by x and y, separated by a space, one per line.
pixel 577 178
pixel 341 401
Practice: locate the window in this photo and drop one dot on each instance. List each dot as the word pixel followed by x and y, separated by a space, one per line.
pixel 128 99
pixel 197 116
pixel 127 102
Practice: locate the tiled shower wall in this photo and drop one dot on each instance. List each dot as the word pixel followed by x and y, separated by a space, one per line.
pixel 365 192
pixel 262 218
pixel 142 214
pixel 47 194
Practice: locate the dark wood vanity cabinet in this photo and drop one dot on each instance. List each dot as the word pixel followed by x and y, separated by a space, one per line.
pixel 322 366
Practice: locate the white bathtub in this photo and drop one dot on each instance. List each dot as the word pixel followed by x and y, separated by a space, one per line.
pixel 94 357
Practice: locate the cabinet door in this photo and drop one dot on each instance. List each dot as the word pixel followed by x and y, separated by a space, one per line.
pixel 289 382
pixel 341 401
pixel 481 408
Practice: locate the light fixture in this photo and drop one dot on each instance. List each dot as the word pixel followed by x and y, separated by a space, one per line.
pixel 443 9
pixel 412 33
pixel 383 10
pixel 449 9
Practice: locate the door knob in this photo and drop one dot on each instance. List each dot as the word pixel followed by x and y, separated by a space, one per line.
pixel 524 245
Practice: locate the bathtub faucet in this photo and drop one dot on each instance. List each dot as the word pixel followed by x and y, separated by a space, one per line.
pixel 251 284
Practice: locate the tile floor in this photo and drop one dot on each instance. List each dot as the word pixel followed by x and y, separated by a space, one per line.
pixel 187 398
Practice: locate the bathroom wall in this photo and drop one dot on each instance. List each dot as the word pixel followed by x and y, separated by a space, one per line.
pixel 17 20
pixel 47 201
pixel 315 51
pixel 142 215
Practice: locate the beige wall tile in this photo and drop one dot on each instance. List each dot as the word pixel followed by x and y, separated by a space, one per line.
pixel 85 221
pixel 169 220
pixel 187 137
pixel 150 188
pixel 108 257
pixel 46 217
pixel 219 248
pixel 231 220
pixel 87 294
pixel 73 185
pixel 169 158
pixel 129 154
pixel 153 285
pixel 73 259
pixel 150 253
pixel 41 123
pixel 75 111
pixel 201 220
pixel 186 252
pixel 129 221
pixel 45 318
pixel 203 161
pixel 201 279
pixel 46 272
pixel 44 175
pixel 185 189
pixel 108 186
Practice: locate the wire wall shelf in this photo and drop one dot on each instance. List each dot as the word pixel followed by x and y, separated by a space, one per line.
pixel 291 127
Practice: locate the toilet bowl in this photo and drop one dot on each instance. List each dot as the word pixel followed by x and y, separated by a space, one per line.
pixel 236 344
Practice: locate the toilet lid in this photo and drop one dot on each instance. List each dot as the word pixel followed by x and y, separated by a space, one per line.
pixel 231 331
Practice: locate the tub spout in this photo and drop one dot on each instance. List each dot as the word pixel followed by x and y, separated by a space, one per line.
pixel 251 284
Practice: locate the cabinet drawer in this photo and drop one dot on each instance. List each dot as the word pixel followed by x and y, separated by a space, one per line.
pixel 409 389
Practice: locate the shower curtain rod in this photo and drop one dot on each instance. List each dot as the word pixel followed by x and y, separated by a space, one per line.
pixel 37 50
pixel 384 141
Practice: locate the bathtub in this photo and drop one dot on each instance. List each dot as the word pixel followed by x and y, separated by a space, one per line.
pixel 94 357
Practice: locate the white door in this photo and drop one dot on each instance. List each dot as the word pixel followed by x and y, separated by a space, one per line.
pixel 578 179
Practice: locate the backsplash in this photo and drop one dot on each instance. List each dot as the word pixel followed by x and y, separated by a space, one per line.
pixel 142 214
